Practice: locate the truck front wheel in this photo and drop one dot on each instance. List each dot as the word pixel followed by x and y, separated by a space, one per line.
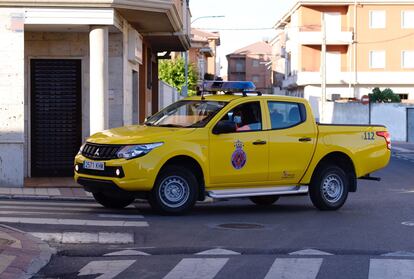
pixel 329 187
pixel 175 191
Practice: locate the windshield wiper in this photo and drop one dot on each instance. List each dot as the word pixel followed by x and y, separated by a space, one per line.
pixel 171 125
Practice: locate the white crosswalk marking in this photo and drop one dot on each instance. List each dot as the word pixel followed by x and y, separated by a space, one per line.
pixel 57 203
pixel 193 268
pixel 108 269
pixel 127 252
pixel 391 269
pixel 81 214
pixel 121 216
pixel 218 252
pixel 65 209
pixel 294 268
pixel 75 222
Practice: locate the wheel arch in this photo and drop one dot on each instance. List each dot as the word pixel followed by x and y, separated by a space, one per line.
pixel 342 160
pixel 193 165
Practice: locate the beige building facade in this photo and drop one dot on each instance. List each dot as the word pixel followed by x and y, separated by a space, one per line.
pixel 203 53
pixel 252 63
pixel 71 68
pixel 368 44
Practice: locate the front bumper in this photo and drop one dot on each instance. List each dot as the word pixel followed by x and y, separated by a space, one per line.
pixel 132 175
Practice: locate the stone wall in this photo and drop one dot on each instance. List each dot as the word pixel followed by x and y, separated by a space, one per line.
pixel 12 97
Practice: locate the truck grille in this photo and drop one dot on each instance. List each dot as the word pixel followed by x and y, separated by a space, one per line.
pixel 100 151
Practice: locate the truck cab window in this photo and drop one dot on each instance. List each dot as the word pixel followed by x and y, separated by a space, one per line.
pixel 285 114
pixel 247 117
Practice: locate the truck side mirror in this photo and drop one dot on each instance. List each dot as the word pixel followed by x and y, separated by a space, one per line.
pixel 224 127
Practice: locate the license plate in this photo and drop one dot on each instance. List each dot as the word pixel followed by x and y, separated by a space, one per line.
pixel 94 165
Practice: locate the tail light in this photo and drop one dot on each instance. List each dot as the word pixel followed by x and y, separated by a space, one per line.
pixel 387 138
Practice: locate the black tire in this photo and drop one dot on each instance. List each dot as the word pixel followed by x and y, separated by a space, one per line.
pixel 264 200
pixel 329 187
pixel 114 201
pixel 175 191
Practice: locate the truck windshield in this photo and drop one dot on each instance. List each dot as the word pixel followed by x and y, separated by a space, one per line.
pixel 186 114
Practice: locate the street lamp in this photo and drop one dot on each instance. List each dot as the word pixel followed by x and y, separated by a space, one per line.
pixel 211 16
pixel 185 88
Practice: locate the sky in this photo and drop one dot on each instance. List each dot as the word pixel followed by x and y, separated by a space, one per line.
pixel 238 15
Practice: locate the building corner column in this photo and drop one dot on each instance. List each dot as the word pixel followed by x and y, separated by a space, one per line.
pixel 99 74
pixel 12 128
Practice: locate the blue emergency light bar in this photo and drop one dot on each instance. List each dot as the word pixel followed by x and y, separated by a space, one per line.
pixel 228 86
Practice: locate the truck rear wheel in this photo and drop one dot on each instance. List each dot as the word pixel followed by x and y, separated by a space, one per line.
pixel 175 191
pixel 109 201
pixel 264 200
pixel 329 187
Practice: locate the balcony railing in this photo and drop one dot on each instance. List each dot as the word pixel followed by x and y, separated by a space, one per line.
pixel 312 35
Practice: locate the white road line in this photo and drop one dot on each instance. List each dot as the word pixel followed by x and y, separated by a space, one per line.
pixel 401 149
pixel 57 204
pixel 218 251
pixel 5 261
pixel 121 216
pixel 65 211
pixel 108 269
pixel 391 269
pixel 128 252
pixel 86 238
pixel 294 268
pixel 310 252
pixel 399 254
pixel 197 268
pixel 76 222
pixel 7 212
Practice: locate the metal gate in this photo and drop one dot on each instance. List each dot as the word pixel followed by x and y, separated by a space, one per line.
pixel 56 115
pixel 410 124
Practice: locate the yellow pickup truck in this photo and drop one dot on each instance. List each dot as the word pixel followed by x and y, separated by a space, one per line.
pixel 227 145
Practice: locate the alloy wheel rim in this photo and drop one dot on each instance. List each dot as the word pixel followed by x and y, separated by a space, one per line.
pixel 332 188
pixel 174 191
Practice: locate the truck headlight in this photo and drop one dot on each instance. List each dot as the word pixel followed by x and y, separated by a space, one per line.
pixel 134 151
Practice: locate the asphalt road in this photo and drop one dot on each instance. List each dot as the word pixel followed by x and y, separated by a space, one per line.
pixel 370 237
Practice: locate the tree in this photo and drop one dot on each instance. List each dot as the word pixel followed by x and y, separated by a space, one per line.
pixel 173 73
pixel 385 96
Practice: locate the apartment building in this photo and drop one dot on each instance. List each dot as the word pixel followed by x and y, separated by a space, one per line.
pixel 203 53
pixel 252 63
pixel 69 69
pixel 368 44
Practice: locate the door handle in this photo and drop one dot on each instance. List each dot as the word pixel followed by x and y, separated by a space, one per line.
pixel 259 142
pixel 305 139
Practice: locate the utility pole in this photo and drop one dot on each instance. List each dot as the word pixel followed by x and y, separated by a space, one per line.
pixel 323 70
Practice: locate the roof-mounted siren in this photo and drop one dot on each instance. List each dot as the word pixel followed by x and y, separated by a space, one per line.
pixel 229 87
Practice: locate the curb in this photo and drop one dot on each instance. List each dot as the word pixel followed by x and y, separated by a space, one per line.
pixel 27 254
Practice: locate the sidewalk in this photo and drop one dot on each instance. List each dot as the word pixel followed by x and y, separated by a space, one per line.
pixel 21 255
